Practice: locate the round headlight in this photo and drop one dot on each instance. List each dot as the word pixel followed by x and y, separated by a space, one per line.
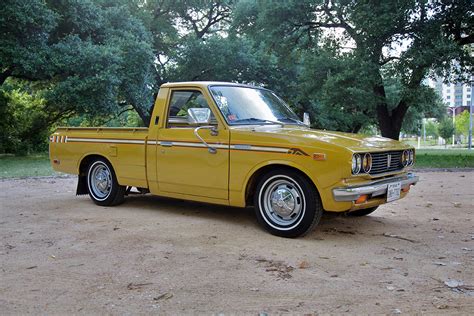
pixel 412 157
pixel 367 162
pixel 356 163
pixel 406 158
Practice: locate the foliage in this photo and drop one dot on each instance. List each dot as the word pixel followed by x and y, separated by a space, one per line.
pixel 431 128
pixel 24 126
pixel 350 64
pixel 350 50
pixel 87 57
pixel 446 129
pixel 462 123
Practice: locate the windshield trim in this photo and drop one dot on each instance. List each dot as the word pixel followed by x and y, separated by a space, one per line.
pixel 237 85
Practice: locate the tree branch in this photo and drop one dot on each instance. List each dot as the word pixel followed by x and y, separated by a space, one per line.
pixel 125 110
pixel 465 40
pixel 387 60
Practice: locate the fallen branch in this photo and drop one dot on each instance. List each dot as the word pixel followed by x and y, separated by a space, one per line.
pixel 399 237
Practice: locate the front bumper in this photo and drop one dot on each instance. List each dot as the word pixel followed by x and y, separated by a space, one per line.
pixel 374 188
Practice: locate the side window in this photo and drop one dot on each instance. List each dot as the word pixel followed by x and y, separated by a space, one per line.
pixel 181 101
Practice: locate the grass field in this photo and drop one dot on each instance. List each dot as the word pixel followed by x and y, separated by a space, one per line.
pixel 38 165
pixel 30 166
pixel 444 158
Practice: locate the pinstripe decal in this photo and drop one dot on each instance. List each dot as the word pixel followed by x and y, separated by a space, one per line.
pixel 105 140
pixel 58 139
pixel 239 147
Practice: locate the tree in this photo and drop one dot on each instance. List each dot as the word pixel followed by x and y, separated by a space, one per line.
pixel 431 128
pixel 89 57
pixel 462 123
pixel 446 129
pixel 400 39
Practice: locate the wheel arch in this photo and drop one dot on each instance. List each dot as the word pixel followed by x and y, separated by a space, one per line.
pixel 261 170
pixel 84 162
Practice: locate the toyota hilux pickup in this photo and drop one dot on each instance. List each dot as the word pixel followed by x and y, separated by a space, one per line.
pixel 236 145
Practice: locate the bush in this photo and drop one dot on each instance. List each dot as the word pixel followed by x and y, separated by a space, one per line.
pixel 24 124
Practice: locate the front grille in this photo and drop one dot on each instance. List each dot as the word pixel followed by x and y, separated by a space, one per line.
pixel 380 162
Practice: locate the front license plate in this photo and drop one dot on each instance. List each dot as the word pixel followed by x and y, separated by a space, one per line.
pixel 393 191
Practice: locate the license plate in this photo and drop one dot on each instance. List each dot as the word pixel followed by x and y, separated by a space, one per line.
pixel 393 191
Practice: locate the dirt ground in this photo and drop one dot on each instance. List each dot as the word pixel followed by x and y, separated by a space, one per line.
pixel 60 254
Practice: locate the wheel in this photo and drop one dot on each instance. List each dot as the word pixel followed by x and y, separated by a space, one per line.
pixel 102 184
pixel 363 212
pixel 287 204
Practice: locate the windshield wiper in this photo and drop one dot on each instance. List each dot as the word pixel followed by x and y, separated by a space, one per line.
pixel 257 120
pixel 292 120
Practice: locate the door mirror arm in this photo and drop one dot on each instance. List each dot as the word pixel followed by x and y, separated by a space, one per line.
pixel 214 132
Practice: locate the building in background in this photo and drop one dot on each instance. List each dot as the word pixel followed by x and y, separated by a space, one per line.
pixel 457 96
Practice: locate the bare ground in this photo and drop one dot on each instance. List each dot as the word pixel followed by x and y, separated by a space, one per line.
pixel 60 254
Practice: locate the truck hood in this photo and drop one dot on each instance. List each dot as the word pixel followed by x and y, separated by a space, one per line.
pixel 353 142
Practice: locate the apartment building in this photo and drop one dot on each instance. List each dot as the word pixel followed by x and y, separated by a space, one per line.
pixel 453 94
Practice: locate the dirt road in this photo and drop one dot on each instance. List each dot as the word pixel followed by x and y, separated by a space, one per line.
pixel 60 253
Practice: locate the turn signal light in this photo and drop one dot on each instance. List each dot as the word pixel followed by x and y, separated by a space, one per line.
pixel 319 156
pixel 362 199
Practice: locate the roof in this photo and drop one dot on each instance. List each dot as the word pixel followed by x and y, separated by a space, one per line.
pixel 204 84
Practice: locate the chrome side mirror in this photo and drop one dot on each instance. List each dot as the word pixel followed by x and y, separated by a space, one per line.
pixel 306 120
pixel 199 116
pixel 214 132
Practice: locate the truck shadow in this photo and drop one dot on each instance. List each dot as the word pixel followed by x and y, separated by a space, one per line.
pixel 332 225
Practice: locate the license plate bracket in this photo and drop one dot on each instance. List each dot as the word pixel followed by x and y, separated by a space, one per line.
pixel 393 191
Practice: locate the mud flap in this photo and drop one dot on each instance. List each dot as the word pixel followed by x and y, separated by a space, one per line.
pixel 82 185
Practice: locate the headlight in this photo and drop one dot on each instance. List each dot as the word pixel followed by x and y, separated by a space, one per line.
pixel 367 162
pixel 356 163
pixel 406 158
pixel 412 156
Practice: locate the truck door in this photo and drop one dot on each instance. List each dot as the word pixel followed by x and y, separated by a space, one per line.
pixel 184 164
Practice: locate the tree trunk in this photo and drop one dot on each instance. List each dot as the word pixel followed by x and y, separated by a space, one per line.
pixel 144 115
pixel 390 124
pixel 384 118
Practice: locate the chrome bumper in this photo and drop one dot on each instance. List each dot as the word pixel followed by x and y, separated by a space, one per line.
pixel 374 188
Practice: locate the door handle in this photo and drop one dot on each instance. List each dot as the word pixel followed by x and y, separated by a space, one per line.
pixel 214 132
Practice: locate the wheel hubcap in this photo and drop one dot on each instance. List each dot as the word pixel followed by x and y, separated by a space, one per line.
pixel 283 202
pixel 101 181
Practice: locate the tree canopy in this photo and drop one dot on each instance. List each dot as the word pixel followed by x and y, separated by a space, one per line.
pixel 369 43
pixel 350 64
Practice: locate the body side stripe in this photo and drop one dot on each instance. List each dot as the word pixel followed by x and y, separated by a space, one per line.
pixel 238 147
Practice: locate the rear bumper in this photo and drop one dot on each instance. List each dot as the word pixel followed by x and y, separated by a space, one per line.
pixel 374 188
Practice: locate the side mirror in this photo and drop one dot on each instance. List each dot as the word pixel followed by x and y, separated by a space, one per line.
pixel 199 116
pixel 306 120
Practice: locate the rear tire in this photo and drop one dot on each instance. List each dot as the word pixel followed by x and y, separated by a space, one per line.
pixel 363 212
pixel 102 184
pixel 287 204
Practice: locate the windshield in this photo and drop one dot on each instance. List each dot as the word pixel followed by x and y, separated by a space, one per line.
pixel 245 105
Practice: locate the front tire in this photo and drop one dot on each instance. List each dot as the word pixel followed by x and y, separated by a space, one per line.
pixel 287 204
pixel 102 184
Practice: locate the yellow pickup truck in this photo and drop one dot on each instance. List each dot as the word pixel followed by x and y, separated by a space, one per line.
pixel 237 145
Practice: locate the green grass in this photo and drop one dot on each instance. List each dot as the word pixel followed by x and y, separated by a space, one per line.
pixel 444 158
pixel 29 166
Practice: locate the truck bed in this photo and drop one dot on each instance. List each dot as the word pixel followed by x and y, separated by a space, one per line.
pixel 125 148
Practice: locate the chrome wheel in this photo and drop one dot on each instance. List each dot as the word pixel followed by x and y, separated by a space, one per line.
pixel 282 201
pixel 100 180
